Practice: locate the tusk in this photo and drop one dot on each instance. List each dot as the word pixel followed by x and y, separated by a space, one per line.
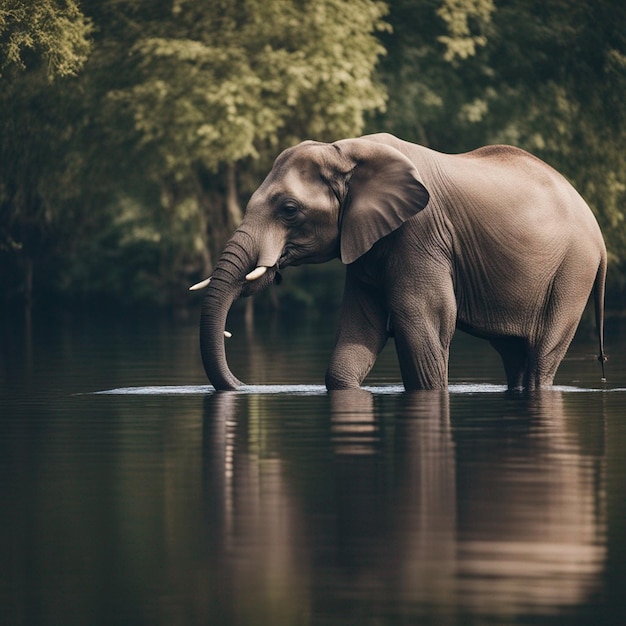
pixel 201 285
pixel 227 334
pixel 256 273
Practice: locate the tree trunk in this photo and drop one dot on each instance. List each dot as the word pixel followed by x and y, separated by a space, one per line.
pixel 29 270
pixel 232 200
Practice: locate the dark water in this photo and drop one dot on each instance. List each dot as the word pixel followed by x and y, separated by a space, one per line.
pixel 162 502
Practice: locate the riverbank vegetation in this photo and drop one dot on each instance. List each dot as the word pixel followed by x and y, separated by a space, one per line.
pixel 132 132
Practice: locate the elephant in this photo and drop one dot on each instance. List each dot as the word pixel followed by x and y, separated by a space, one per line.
pixel 493 242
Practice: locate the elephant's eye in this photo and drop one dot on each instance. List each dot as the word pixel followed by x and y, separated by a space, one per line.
pixel 289 210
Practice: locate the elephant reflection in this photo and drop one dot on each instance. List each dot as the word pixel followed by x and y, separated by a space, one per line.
pixel 355 428
pixel 531 517
pixel 397 505
pixel 409 506
pixel 253 524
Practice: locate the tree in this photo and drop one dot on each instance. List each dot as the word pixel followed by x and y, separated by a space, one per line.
pixel 546 76
pixel 49 34
pixel 434 69
pixel 199 97
pixel 130 131
pixel 129 178
pixel 226 81
pixel 560 93
pixel 41 45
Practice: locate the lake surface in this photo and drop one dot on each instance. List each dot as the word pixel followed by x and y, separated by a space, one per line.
pixel 132 493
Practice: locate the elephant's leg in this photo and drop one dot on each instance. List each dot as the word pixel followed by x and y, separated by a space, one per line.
pixel 361 337
pixel 557 325
pixel 546 355
pixel 424 326
pixel 514 354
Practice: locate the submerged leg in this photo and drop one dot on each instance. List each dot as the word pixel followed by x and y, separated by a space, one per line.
pixel 514 354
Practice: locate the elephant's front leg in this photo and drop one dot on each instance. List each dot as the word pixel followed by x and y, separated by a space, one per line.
pixel 424 323
pixel 361 337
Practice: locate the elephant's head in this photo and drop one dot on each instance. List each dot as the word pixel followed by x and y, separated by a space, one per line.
pixel 318 202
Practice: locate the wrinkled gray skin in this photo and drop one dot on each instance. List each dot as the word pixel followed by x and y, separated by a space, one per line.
pixel 494 242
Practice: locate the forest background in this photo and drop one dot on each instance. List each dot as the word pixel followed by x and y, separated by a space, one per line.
pixel 133 131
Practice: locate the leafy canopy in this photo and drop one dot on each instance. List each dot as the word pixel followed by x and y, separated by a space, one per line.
pixel 223 81
pixel 129 128
pixel 53 34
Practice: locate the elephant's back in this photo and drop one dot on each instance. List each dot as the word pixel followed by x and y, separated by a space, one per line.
pixel 516 224
pixel 507 187
pixel 511 196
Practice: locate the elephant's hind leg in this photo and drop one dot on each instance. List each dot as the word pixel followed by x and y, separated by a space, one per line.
pixel 529 367
pixel 544 358
pixel 514 354
pixel 562 312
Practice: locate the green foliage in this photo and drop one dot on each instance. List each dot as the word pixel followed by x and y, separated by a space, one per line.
pixel 52 34
pixel 575 117
pixel 549 77
pixel 225 81
pixel 461 42
pixel 128 184
pixel 131 131
pixel 41 43
pixel 194 92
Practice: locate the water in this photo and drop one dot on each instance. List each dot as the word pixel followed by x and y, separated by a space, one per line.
pixel 131 493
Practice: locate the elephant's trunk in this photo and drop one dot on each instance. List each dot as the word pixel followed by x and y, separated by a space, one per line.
pixel 215 308
pixel 234 275
pixel 225 287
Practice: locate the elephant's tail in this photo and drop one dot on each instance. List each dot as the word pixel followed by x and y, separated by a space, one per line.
pixel 598 298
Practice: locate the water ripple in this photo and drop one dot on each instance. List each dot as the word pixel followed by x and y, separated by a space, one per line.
pixel 313 390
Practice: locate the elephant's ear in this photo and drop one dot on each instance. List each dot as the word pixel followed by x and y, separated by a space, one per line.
pixel 383 191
